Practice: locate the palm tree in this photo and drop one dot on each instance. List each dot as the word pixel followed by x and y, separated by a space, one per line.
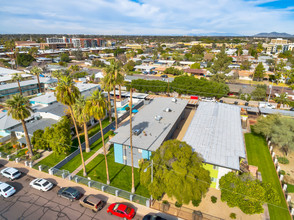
pixel 131 141
pixel 73 69
pixel 57 74
pixel 19 109
pixel 37 71
pixel 112 71
pixel 17 77
pixel 107 86
pixel 96 106
pixel 82 117
pixel 67 93
pixel 282 99
pixel 120 81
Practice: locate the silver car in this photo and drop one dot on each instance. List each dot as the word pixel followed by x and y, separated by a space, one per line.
pixel 6 190
pixel 10 173
pixel 41 184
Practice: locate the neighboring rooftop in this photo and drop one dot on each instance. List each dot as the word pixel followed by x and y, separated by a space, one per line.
pixel 276 111
pixel 47 98
pixel 6 71
pixel 152 132
pixel 216 133
pixel 56 109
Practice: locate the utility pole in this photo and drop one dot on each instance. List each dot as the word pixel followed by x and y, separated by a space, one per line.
pixel 270 86
pixel 131 141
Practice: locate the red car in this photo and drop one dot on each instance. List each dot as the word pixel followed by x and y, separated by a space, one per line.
pixel 121 210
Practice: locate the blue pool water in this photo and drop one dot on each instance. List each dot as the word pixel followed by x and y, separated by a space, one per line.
pixel 123 108
pixel 3 133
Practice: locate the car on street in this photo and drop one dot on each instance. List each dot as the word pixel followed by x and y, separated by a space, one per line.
pixel 121 210
pixel 93 202
pixel 291 109
pixel 208 99
pixel 164 76
pixel 69 193
pixel 153 217
pixel 10 173
pixel 6 190
pixel 41 184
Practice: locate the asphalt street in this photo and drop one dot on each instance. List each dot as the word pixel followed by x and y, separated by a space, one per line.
pixel 29 203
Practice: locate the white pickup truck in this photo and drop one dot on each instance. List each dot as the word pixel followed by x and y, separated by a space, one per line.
pixel 266 105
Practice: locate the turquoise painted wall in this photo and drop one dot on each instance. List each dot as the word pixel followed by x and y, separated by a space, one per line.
pixel 118 153
pixel 146 154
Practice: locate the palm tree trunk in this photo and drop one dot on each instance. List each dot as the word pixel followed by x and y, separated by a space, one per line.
pixel 109 107
pixel 131 143
pixel 39 83
pixel 19 88
pixel 86 138
pixel 78 136
pixel 115 111
pixel 119 86
pixel 104 151
pixel 27 138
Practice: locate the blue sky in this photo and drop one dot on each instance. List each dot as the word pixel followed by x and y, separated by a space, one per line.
pixel 146 17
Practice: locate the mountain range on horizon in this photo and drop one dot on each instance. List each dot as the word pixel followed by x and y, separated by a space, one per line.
pixel 264 34
pixel 273 34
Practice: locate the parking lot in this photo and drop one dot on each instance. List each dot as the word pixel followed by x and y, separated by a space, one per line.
pixel 29 203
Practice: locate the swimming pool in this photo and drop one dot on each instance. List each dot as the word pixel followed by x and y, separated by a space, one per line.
pixel 3 133
pixel 123 108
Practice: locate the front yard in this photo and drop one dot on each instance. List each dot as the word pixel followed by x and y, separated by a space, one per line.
pixel 258 155
pixel 120 175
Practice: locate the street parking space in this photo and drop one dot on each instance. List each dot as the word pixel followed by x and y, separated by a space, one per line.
pixel 29 203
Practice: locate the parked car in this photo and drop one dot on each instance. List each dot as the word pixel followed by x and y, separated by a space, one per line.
pixel 266 105
pixel 121 210
pixel 235 103
pixel 246 103
pixel 153 217
pixel 10 173
pixel 6 190
pixel 69 193
pixel 41 184
pixel 208 99
pixel 93 202
pixel 164 76
pixel 291 109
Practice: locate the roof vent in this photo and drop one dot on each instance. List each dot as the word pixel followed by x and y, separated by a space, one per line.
pixel 158 117
pixel 167 110
pixel 174 100
pixel 136 132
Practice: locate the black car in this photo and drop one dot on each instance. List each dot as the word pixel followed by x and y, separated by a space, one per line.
pixel 164 76
pixel 69 193
pixel 153 217
pixel 291 109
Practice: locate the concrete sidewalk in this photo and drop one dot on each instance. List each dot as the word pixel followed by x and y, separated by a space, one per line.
pixel 142 210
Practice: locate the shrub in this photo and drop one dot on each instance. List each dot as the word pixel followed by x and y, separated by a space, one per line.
pixel 233 215
pixel 213 199
pixel 165 202
pixel 283 160
pixel 127 108
pixel 196 203
pixel 36 156
pixel 282 172
pixel 179 205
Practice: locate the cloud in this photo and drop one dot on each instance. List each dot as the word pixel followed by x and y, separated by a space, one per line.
pixel 148 17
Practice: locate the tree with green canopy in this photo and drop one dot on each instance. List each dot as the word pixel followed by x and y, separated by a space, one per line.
pixel 282 99
pixel 259 72
pixel 246 192
pixel 82 117
pixel 95 106
pixel 259 93
pixel 178 171
pixel 37 71
pixel 67 93
pixel 197 49
pixel 24 59
pixel 221 63
pixel 38 140
pixel 57 74
pixel 19 107
pixel 195 66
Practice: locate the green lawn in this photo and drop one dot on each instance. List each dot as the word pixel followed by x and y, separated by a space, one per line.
pixel 258 155
pixel 290 188
pixel 7 148
pixel 120 175
pixel 51 160
pixel 91 132
pixel 73 164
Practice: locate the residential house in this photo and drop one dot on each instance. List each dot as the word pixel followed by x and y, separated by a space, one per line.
pixel 152 125
pixel 215 133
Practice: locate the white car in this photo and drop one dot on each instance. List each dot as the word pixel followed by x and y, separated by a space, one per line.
pixel 41 184
pixel 10 173
pixel 6 190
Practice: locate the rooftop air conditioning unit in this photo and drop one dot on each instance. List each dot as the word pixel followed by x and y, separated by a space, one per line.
pixel 136 132
pixel 174 100
pixel 167 110
pixel 158 117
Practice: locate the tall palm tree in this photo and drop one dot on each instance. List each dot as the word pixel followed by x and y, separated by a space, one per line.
pixel 37 71
pixel 19 109
pixel 79 110
pixel 67 93
pixel 131 141
pixel 107 86
pixel 120 81
pixel 112 71
pixel 282 99
pixel 17 77
pixel 96 105
pixel 73 69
